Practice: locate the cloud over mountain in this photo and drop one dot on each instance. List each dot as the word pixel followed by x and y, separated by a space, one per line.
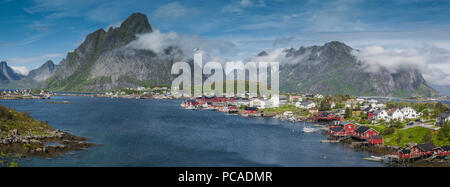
pixel 429 59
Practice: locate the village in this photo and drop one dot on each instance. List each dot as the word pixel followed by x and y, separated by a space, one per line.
pixel 404 132
pixel 24 94
pixel 156 92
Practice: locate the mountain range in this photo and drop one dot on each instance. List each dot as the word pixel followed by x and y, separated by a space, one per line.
pixel 9 79
pixel 105 61
pixel 334 69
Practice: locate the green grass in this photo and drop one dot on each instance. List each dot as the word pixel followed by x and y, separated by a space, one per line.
pixel 11 119
pixel 414 134
pixel 282 109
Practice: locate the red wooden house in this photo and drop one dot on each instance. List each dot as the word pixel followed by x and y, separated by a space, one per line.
pixel 443 151
pixel 370 116
pixel 364 133
pixel 422 150
pixel 347 129
pixel 250 110
pixel 404 153
pixel 376 139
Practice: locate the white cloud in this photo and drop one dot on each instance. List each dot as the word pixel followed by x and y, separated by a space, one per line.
pixel 238 7
pixel 157 42
pixel 431 61
pixel 170 11
pixel 20 70
pixel 35 59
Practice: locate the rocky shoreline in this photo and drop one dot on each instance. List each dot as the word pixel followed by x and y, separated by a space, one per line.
pixel 54 144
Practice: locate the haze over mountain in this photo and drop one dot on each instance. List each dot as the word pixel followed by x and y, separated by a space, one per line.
pixel 105 61
pixel 334 68
pixel 115 58
pixel 13 80
pixel 7 73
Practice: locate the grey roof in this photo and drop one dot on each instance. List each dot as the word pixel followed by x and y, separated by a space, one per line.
pixel 405 151
pixel 445 148
pixel 337 129
pixel 376 137
pixel 307 103
pixel 445 114
pixel 345 123
pixel 362 129
pixel 426 147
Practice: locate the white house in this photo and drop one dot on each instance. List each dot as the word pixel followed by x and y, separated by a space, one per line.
pixel 381 115
pixel 288 114
pixel 305 105
pixel 298 97
pixel 348 104
pixel 378 105
pixel 332 104
pixel 318 96
pixel 360 100
pixel 260 104
pixel 410 113
pixel 396 114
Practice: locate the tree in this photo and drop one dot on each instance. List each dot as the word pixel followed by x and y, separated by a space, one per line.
pixel 324 105
pixel 428 138
pixel 411 135
pixel 444 132
pixel 399 138
pixel 387 131
pixel 348 113
pixel 397 124
pixel 426 114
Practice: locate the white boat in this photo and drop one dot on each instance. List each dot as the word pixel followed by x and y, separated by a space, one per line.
pixel 308 129
pixel 190 107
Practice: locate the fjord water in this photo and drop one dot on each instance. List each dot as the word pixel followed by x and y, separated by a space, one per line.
pixel 160 133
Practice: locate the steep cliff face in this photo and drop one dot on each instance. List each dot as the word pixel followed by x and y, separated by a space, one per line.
pixel 333 69
pixel 43 72
pixel 103 61
pixel 12 80
pixel 7 73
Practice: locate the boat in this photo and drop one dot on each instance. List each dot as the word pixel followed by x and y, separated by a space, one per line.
pixel 308 129
pixel 190 107
pixel 46 96
pixel 375 158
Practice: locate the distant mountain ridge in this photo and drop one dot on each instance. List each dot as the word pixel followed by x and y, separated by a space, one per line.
pixel 44 72
pixel 333 69
pixel 9 79
pixel 7 73
pixel 104 61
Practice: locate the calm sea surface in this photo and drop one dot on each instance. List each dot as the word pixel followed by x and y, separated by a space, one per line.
pixel 160 133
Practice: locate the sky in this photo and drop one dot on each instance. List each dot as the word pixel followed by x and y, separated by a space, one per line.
pixel 391 32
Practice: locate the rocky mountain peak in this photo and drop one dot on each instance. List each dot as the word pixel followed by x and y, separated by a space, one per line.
pixel 49 63
pixel 3 64
pixel 136 23
pixel 43 72
pixel 336 46
pixel 263 53
pixel 7 73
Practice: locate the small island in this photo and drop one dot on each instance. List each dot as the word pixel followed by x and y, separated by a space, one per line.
pixel 22 136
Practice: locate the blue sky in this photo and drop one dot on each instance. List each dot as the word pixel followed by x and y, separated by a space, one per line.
pixel 33 31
